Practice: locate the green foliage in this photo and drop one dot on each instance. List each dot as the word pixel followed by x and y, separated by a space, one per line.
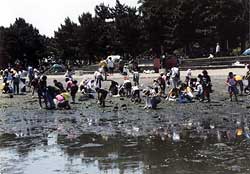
pixel 157 26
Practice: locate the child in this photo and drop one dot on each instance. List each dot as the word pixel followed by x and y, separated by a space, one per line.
pixel 73 90
pixel 101 96
pixel 232 88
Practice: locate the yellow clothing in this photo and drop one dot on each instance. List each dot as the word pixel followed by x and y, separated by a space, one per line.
pixel 65 95
pixel 238 78
pixel 103 64
pixel 188 89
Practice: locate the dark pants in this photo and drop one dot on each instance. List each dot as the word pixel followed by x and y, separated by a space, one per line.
pixel 42 94
pixel 16 87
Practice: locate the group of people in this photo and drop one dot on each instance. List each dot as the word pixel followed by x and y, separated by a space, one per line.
pixel 167 86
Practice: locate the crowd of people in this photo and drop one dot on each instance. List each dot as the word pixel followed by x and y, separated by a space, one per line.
pixel 168 86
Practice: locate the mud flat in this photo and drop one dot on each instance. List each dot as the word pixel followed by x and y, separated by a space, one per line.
pixel 176 138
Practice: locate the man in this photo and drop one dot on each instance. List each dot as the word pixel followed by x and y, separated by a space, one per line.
pixel 58 85
pixel 42 91
pixel 175 76
pixel 101 96
pixel 111 66
pixel 217 50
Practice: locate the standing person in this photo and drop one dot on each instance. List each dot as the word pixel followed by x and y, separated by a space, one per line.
pixel 111 66
pixel 162 84
pixel 98 79
pixel 73 90
pixel 136 75
pixel 175 76
pixel 232 88
pixel 42 91
pixel 69 74
pixel 34 86
pixel 217 50
pixel 188 77
pixel 121 65
pixel 247 77
pixel 16 82
pixel 22 74
pixel 101 96
pixel 103 68
pixel 30 75
pixel 206 85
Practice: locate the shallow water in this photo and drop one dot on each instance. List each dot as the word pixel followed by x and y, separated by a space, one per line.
pixel 91 153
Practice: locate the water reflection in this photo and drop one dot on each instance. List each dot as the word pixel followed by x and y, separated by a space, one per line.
pixel 91 153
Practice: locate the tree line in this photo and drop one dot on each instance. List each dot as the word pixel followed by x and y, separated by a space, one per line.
pixel 156 27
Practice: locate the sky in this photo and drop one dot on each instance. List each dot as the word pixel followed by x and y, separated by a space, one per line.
pixel 47 15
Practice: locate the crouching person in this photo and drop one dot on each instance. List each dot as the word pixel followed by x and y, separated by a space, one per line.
pixel 62 101
pixel 101 96
pixel 152 100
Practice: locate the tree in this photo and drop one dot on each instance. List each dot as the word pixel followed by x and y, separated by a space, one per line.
pixel 66 41
pixel 22 42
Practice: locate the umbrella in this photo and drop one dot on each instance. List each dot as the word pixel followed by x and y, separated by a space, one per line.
pixel 246 52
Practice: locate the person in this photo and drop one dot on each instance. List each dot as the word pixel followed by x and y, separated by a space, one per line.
pixel 6 88
pixel 127 86
pixel 188 77
pixel 135 97
pixel 42 91
pixel 103 68
pixel 101 96
pixel 98 79
pixel 156 86
pixel 120 66
pixel 68 84
pixel 136 77
pixel 30 75
pixel 110 65
pixel 152 99
pixel 247 77
pixel 217 50
pixel 199 91
pixel 52 92
pixel 162 84
pixel 34 86
pixel 22 75
pixel 232 88
pixel 113 89
pixel 185 94
pixel 173 94
pixel 206 85
pixel 69 74
pixel 16 82
pixel 62 100
pixel 239 80
pixel 73 90
pixel 59 85
pixel 175 76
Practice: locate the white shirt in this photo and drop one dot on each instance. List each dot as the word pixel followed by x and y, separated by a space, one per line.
pixel 217 48
pixel 110 64
pixel 174 72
